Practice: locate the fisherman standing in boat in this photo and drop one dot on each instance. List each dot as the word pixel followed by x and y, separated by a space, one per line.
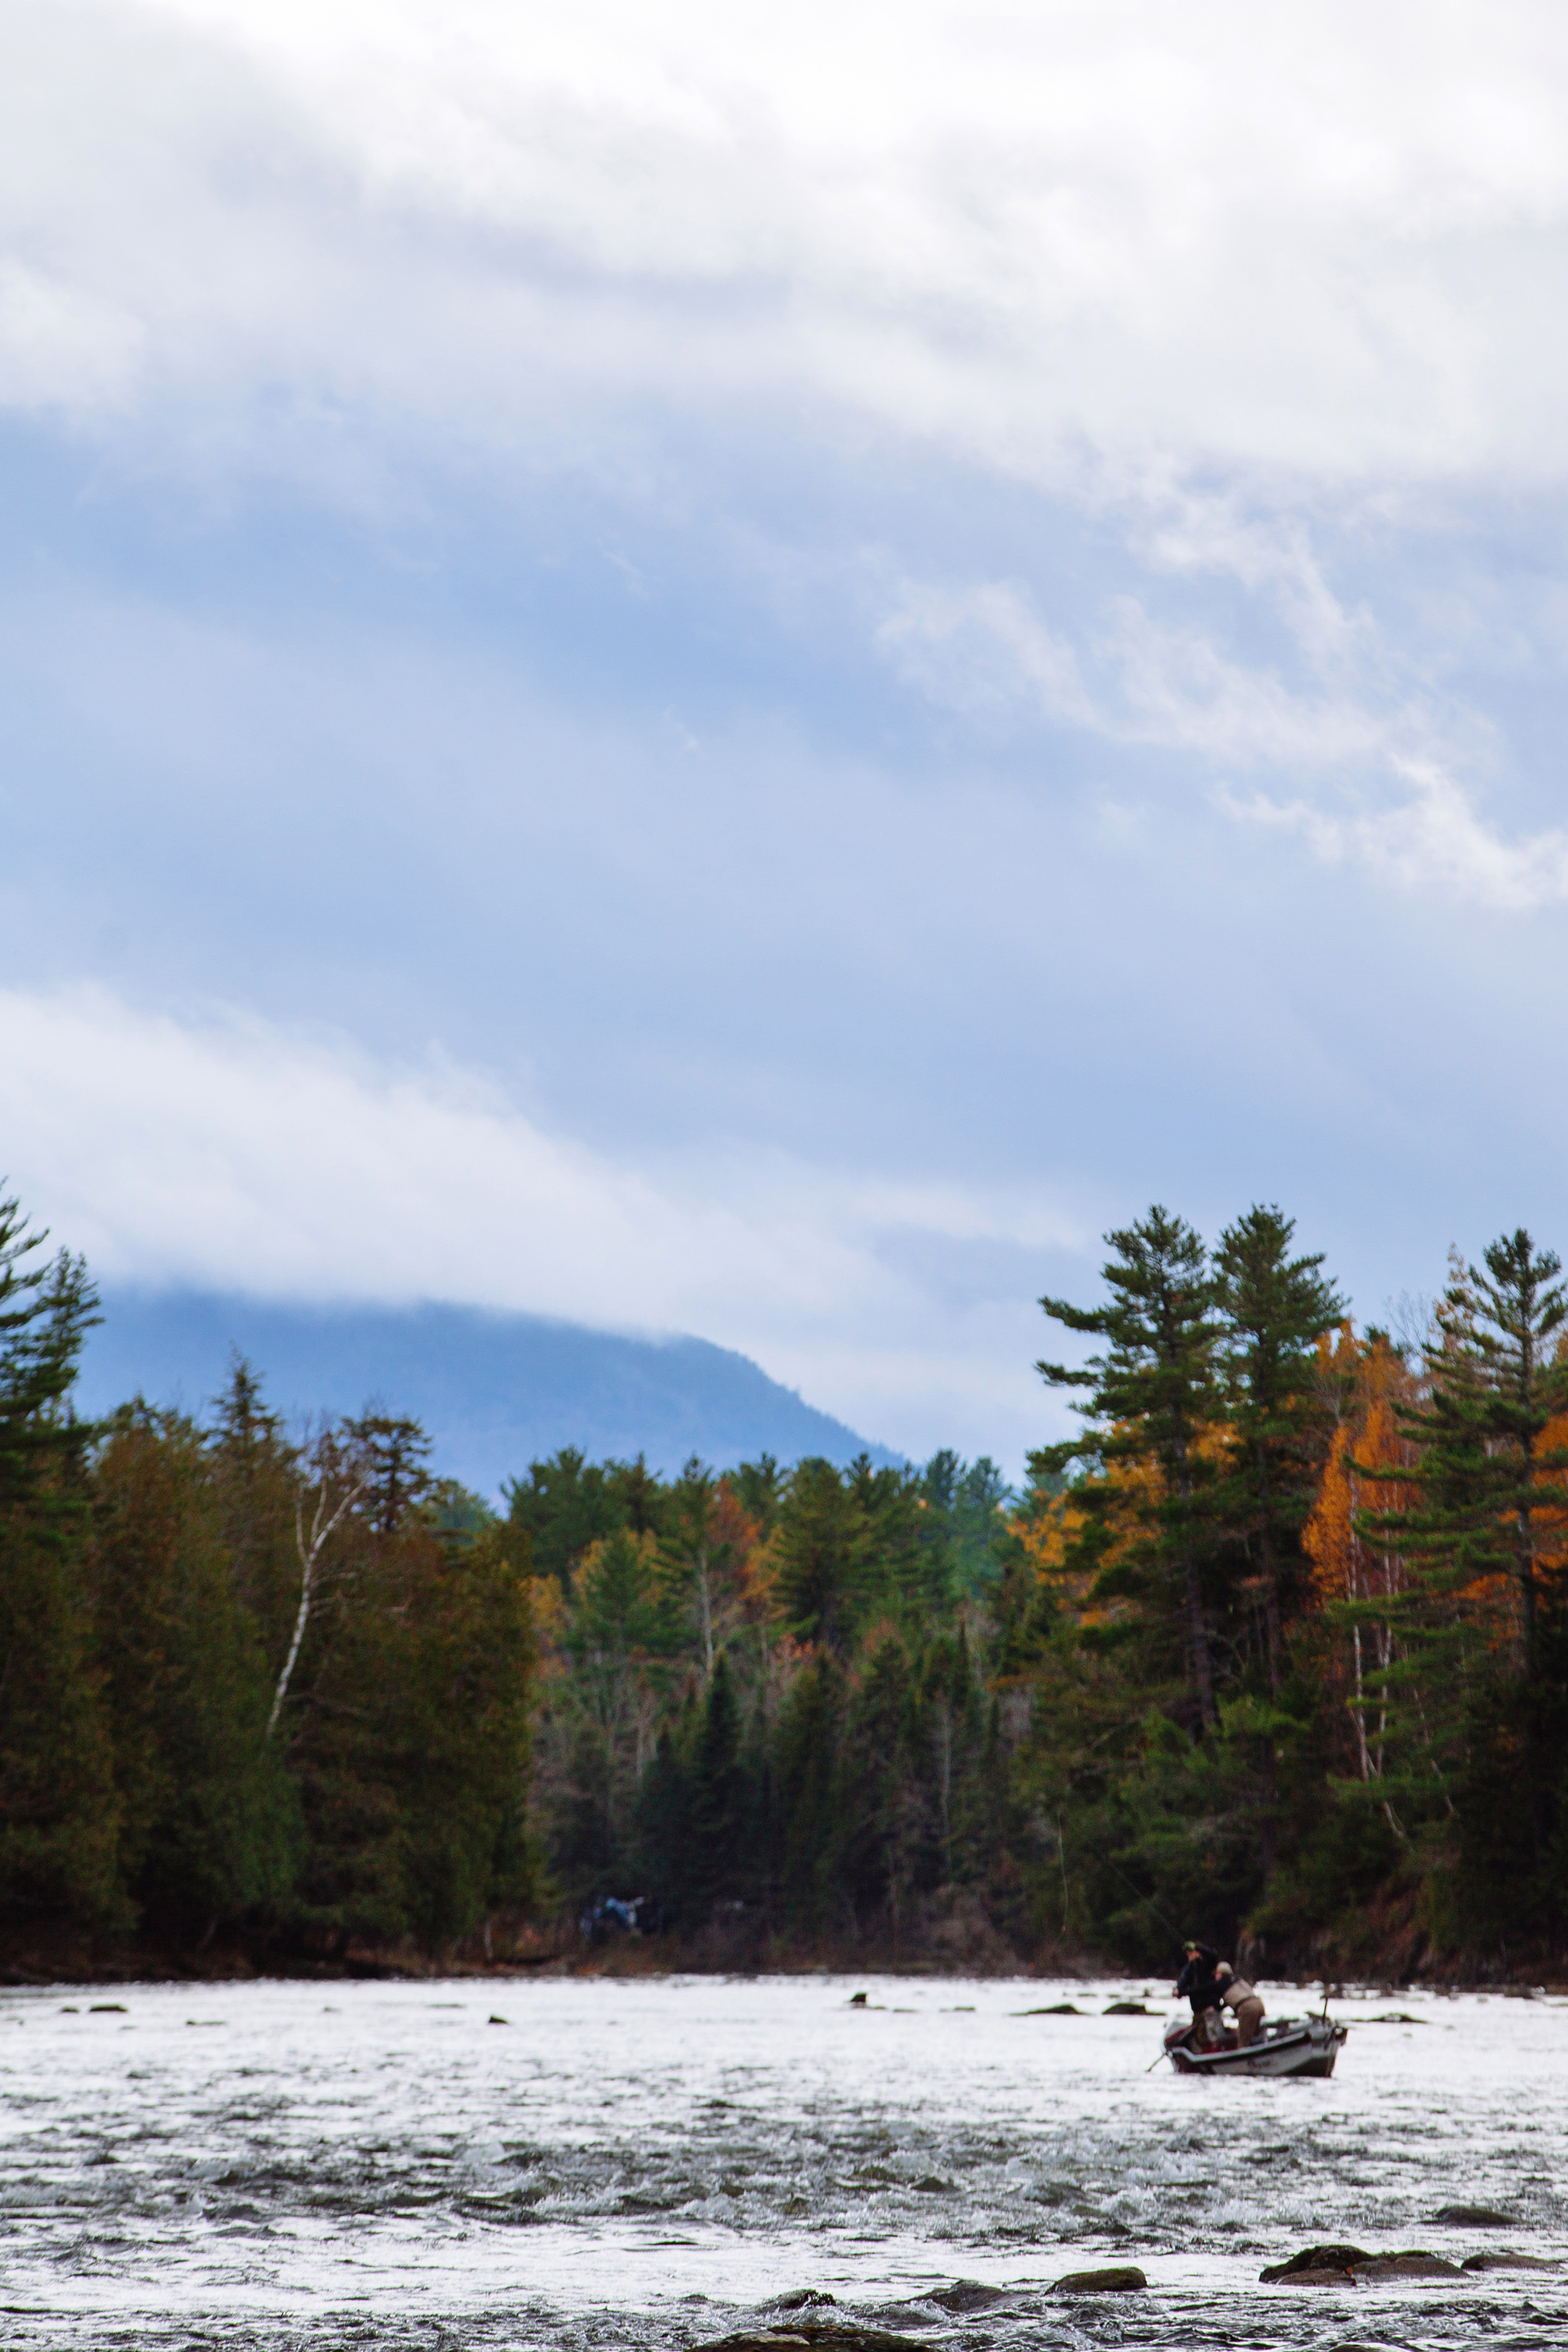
pixel 1201 1982
pixel 1236 1994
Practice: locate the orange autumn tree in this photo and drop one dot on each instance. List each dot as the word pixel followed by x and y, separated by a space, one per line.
pixel 1350 1571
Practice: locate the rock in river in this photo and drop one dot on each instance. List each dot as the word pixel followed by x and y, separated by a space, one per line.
pixel 1353 2266
pixel 811 2336
pixel 1505 2261
pixel 1119 2281
pixel 1317 2263
pixel 967 2295
pixel 1416 2265
pixel 1475 2217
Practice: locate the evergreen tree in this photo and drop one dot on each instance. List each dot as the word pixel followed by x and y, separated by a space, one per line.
pixel 663 1839
pixel 59 1814
pixel 822 1542
pixel 884 1819
pixel 1153 1400
pixel 1465 1689
pixel 1276 1308
pixel 209 1821
pixel 45 1313
pixel 761 1487
pixel 566 1504
pixel 718 1807
pixel 809 1733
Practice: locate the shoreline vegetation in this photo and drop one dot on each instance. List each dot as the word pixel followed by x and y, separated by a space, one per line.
pixel 1274 1651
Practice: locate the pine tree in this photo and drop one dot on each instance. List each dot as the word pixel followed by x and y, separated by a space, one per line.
pixel 59 1814
pixel 1153 1398
pixel 884 1819
pixel 808 1796
pixel 1485 1545
pixel 45 1313
pixel 209 1819
pixel 1484 1435
pixel 1275 1309
pixel 718 1801
pixel 821 1555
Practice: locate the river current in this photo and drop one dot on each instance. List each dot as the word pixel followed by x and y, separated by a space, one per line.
pixel 289 2166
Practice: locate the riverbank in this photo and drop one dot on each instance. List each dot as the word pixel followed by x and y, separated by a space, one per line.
pixel 513 1951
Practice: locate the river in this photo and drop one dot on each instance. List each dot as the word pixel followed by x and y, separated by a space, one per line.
pixel 275 2166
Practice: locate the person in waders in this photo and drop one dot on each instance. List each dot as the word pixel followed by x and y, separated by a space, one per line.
pixel 1236 1994
pixel 1201 1983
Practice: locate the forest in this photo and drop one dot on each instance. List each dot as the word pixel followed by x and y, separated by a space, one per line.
pixel 1273 1650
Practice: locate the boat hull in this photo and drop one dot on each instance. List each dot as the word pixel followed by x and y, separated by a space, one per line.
pixel 1301 2047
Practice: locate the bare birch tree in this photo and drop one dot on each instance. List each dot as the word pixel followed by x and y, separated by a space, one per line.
pixel 338 1479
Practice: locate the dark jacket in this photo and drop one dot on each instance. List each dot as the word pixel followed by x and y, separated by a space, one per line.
pixel 1198 1981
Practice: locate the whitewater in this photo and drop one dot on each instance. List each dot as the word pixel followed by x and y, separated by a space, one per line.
pixel 585 2161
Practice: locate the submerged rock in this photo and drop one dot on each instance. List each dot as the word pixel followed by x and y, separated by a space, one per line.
pixel 1126 2009
pixel 1057 2009
pixel 804 2298
pixel 1504 2261
pixel 1476 2216
pixel 811 2336
pixel 1122 2280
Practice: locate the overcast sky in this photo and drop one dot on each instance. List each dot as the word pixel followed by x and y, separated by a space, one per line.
pixel 741 670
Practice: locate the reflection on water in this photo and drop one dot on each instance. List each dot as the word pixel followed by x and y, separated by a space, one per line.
pixel 288 2165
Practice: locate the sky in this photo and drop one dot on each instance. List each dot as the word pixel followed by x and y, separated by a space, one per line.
pixel 748 672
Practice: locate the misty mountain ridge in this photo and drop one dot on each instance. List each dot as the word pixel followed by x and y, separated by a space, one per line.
pixel 494 1390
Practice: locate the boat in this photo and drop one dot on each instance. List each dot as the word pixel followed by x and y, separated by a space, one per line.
pixel 1285 2045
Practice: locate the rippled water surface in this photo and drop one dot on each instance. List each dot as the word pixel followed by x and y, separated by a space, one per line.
pixel 652 2163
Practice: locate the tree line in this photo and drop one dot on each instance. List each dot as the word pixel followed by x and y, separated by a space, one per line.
pixel 1272 1649
pixel 250 1679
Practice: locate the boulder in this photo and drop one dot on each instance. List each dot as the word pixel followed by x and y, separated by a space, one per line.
pixel 1476 2216
pixel 1353 2266
pixel 1122 2280
pixel 1126 2009
pixel 1330 2262
pixel 968 2294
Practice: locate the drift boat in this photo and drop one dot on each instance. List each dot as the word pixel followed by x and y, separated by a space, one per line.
pixel 1285 2045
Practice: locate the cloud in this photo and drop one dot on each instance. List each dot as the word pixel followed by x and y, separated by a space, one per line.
pixel 983 649
pixel 1134 678
pixel 1432 837
pixel 1325 243
pixel 1379 791
pixel 234 1153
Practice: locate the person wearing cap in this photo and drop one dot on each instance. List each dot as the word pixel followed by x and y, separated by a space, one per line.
pixel 1236 1994
pixel 1199 1982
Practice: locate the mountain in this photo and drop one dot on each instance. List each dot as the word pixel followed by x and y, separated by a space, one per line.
pixel 493 1390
